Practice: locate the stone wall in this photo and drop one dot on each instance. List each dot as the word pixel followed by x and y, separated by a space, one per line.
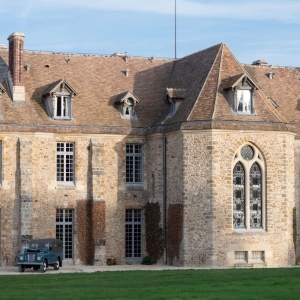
pixel 30 195
pixel 209 236
pixel 199 183
pixel 297 197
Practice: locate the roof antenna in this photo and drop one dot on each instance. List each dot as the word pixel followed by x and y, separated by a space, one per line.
pixel 175 31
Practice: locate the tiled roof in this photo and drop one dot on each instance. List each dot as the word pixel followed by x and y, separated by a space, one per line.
pixel 97 80
pixel 200 79
pixel 191 73
pixel 283 88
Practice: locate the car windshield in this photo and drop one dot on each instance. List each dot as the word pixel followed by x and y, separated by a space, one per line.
pixel 36 246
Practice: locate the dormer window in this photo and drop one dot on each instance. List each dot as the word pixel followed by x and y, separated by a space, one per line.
pixel 240 92
pixel 243 101
pixel 128 108
pixel 174 98
pixel 126 103
pixel 59 100
pixel 62 107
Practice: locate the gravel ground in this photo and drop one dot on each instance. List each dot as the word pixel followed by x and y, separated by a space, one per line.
pixel 11 270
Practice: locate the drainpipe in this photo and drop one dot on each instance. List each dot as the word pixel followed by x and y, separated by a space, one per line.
pixel 165 196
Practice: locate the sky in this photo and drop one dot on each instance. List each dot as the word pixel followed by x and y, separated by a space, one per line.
pixel 253 29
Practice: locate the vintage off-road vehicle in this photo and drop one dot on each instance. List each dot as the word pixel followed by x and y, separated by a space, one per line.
pixel 39 254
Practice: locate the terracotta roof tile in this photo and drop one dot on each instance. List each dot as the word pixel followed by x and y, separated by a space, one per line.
pixel 97 79
pixel 200 79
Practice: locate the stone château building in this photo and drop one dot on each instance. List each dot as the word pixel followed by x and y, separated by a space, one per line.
pixel 87 141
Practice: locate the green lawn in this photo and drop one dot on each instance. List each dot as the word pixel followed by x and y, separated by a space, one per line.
pixel 179 284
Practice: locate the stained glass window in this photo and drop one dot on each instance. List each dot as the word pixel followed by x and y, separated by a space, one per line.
pixel 255 196
pixel 239 196
pixel 247 152
pixel 248 200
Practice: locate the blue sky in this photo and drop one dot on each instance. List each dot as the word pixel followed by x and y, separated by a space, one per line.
pixel 254 29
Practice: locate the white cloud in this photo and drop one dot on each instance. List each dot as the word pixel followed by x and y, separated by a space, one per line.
pixel 283 11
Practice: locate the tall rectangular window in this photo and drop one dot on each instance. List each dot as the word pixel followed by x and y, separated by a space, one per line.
pixel 64 230
pixel 65 162
pixel 134 163
pixel 133 232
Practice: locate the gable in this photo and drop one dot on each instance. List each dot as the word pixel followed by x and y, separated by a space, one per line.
pixel 60 86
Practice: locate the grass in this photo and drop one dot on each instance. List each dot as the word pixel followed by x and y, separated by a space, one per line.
pixel 178 284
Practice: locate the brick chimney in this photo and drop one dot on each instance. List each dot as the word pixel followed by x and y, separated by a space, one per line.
pixel 15 63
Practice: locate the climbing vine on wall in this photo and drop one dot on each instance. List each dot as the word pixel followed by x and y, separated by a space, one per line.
pixel 90 228
pixel 154 233
pixel 174 231
pixel 99 210
pixel 294 227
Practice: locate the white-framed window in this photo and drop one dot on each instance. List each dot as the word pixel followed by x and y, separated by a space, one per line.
pixel 65 162
pixel 62 107
pixel 133 233
pixel 64 231
pixel 249 189
pixel 134 163
pixel 126 103
pixel 244 101
pixel 59 100
pixel 128 111
pixel 240 93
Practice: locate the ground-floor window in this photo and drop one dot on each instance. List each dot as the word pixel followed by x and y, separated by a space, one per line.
pixel 133 233
pixel 64 230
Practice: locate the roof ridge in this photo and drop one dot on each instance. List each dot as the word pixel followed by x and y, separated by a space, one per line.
pixel 198 52
pixel 202 88
pixel 218 84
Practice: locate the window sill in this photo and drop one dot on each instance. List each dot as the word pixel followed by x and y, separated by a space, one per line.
pixel 65 187
pixel 257 231
pixel 245 114
pixel 134 186
pixel 62 118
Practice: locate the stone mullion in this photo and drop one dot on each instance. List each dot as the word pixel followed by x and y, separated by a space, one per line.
pixel 247 197
pixel 25 195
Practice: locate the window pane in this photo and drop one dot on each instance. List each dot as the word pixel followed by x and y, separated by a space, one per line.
pixel 58 106
pixel 255 196
pixel 133 233
pixel 244 101
pixel 65 162
pixel 239 196
pixel 64 230
pixel 134 163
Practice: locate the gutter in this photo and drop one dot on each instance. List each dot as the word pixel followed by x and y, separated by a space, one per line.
pixel 165 196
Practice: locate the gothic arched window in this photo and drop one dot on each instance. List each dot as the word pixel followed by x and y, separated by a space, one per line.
pixel 248 189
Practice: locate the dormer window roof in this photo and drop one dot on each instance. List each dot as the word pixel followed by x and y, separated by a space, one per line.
pixel 59 100
pixel 126 103
pixel 174 98
pixel 240 92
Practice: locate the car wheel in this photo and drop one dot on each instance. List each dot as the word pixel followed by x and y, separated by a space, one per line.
pixel 21 268
pixel 56 265
pixel 43 267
